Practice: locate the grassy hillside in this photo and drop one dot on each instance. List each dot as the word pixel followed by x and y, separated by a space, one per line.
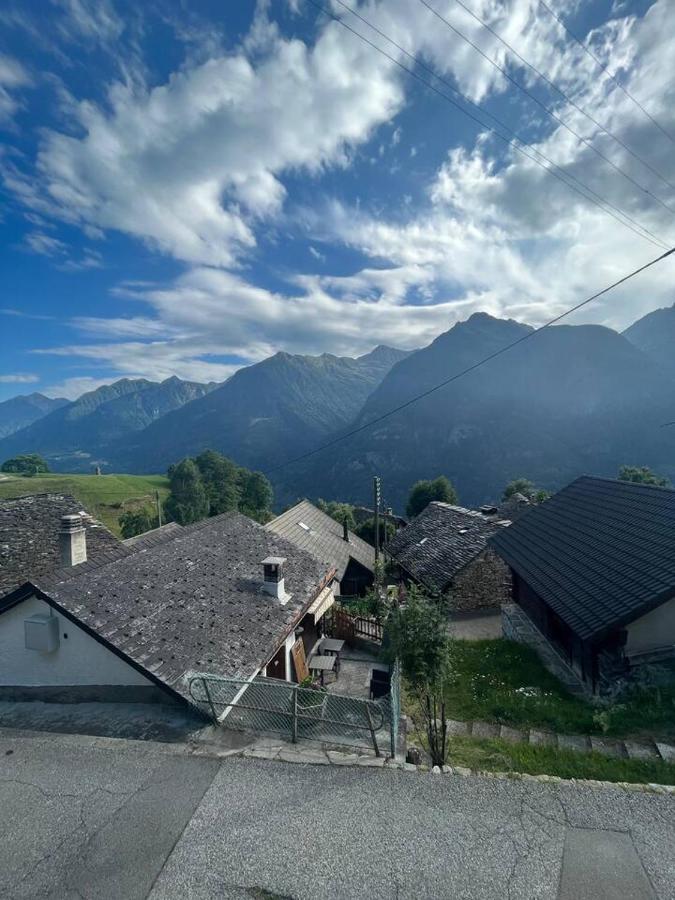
pixel 104 496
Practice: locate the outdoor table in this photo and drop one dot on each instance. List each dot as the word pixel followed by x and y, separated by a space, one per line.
pixel 333 646
pixel 322 664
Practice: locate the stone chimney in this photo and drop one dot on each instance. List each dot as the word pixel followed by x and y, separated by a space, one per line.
pixel 345 531
pixel 273 577
pixel 72 541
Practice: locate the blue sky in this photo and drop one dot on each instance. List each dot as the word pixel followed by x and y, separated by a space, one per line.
pixel 188 187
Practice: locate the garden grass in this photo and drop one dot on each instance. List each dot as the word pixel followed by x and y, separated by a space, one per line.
pixel 104 496
pixel 505 682
pixel 494 755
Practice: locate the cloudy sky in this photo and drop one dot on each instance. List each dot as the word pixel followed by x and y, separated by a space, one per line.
pixel 190 186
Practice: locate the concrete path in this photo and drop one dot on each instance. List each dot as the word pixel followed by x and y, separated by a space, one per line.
pixel 477 626
pixel 94 818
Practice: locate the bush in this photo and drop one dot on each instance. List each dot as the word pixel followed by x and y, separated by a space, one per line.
pixel 28 464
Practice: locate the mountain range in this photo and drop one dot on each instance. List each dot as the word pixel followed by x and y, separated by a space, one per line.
pixel 18 412
pixel 571 400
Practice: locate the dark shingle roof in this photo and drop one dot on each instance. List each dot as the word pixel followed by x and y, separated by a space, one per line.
pixel 191 603
pixel 310 529
pixel 599 553
pixel 155 536
pixel 440 542
pixel 29 536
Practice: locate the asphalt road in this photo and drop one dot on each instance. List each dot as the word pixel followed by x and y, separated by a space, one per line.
pixel 79 820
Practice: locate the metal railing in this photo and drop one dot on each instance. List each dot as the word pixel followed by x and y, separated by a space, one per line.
pixel 272 705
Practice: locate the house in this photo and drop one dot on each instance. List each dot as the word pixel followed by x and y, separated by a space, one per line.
pixel 313 530
pixel 445 549
pixel 222 596
pixel 30 542
pixel 594 578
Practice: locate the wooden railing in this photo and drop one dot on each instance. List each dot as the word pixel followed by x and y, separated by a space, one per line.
pixel 343 624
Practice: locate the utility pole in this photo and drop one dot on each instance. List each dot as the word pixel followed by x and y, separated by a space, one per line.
pixel 159 509
pixel 376 504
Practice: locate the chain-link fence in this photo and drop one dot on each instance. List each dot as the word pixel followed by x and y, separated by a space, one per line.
pixel 268 705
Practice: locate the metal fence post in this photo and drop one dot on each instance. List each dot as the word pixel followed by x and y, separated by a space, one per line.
pixel 208 697
pixel 294 732
pixel 372 730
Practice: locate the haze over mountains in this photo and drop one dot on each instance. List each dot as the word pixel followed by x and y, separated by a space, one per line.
pixel 574 399
pixel 18 412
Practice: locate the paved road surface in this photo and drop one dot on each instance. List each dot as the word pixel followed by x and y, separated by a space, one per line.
pixel 79 820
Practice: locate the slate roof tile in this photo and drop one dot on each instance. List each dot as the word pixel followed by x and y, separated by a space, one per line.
pixel 29 536
pixel 322 536
pixel 440 542
pixel 172 605
pixel 600 552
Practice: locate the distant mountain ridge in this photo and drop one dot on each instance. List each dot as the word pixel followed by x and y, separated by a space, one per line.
pixel 573 400
pixel 75 436
pixel 18 412
pixel 654 334
pixel 264 412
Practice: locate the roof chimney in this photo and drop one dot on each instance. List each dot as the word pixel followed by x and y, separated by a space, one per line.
pixel 273 578
pixel 72 541
pixel 345 531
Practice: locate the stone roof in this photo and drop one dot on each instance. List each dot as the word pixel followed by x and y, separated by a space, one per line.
pixel 600 552
pixel 29 536
pixel 440 542
pixel 193 602
pixel 155 535
pixel 311 529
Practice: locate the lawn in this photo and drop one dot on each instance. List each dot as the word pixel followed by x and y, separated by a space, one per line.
pixel 104 496
pixel 505 682
pixel 499 756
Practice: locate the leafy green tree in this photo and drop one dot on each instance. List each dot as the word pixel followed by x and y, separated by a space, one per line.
pixel 366 531
pixel 257 495
pixel 187 501
pixel 137 521
pixel 27 464
pixel 642 475
pixel 525 487
pixel 418 637
pixel 221 479
pixel 341 512
pixel 424 492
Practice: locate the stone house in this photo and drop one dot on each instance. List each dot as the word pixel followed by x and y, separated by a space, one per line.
pixel 594 578
pixel 223 596
pixel 446 550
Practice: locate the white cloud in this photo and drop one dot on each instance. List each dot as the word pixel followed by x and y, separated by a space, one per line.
pixel 72 388
pixel 13 77
pixel 19 378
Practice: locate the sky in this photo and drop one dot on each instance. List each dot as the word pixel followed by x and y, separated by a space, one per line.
pixel 189 186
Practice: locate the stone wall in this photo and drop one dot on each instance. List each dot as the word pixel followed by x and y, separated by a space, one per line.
pixel 484 584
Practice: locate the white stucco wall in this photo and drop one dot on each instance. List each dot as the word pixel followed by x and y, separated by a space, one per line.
pixel 78 660
pixel 656 629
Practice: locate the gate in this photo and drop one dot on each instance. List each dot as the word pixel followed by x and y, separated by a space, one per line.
pixel 297 713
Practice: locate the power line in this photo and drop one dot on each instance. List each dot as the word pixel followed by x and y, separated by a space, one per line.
pixel 565 96
pixel 604 68
pixel 555 171
pixel 547 110
pixel 474 366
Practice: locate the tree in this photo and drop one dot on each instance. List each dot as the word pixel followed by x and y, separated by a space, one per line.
pixel 221 480
pixel 366 530
pixel 257 495
pixel 341 512
pixel 527 488
pixel 642 475
pixel 418 637
pixel 28 464
pixel 187 501
pixel 424 492
pixel 137 521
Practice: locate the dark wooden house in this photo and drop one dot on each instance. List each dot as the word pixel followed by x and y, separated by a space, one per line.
pixel 594 572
